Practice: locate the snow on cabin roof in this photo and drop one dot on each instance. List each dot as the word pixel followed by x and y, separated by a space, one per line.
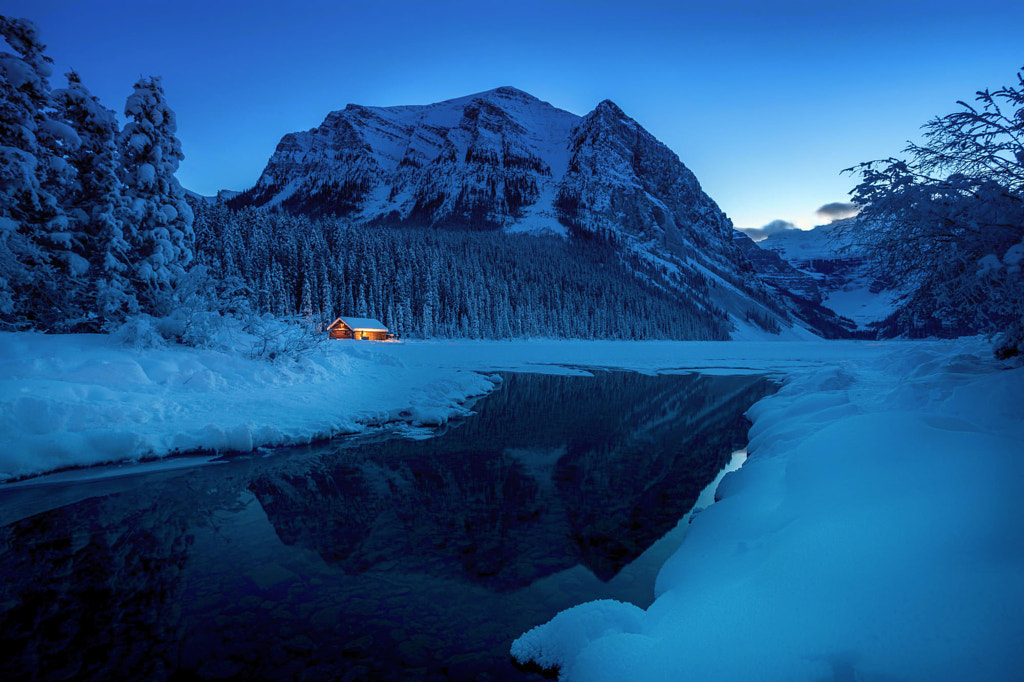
pixel 362 323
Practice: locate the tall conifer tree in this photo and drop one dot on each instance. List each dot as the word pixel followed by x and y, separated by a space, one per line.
pixel 34 238
pixel 159 219
pixel 96 208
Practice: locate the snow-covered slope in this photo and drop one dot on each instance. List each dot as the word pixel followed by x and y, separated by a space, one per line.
pixel 845 281
pixel 505 160
pixel 798 288
pixel 873 534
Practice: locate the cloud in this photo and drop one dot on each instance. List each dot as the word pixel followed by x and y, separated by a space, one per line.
pixel 774 227
pixel 837 210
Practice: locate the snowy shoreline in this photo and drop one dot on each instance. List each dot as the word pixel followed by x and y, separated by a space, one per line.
pixel 79 400
pixel 873 534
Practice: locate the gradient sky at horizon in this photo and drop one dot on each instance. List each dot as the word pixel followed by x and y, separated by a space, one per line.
pixel 765 101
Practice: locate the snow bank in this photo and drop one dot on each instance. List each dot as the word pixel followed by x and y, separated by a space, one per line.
pixel 78 400
pixel 875 533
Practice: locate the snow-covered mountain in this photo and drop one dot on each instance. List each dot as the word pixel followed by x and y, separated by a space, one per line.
pixel 777 271
pixel 488 160
pixel 505 160
pixel 832 258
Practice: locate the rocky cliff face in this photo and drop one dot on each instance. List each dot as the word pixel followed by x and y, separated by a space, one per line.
pixel 504 160
pixel 620 176
pixel 479 162
pixel 777 271
pixel 501 158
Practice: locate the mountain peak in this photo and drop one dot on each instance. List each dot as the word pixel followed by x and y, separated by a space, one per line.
pixel 508 94
pixel 503 159
pixel 609 107
pixel 510 91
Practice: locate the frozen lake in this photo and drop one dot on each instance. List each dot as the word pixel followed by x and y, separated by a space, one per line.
pixel 385 558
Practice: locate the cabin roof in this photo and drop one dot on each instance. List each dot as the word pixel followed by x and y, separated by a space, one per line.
pixel 360 323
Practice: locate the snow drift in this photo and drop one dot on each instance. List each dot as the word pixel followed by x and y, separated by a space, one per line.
pixel 77 400
pixel 874 534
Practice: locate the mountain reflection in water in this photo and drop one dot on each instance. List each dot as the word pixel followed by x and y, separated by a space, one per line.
pixel 395 559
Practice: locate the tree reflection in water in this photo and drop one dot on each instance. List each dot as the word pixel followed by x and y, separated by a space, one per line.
pixel 383 560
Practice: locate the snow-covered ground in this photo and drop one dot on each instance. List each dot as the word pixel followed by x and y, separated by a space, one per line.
pixel 875 533
pixel 76 400
pixel 856 301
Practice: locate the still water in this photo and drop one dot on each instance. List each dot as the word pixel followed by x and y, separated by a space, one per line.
pixel 367 559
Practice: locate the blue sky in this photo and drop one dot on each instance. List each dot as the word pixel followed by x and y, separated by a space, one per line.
pixel 765 101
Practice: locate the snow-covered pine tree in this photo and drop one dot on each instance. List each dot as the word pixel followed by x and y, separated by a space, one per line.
pixel 34 239
pixel 95 209
pixel 306 300
pixel 280 302
pixel 159 225
pixel 326 293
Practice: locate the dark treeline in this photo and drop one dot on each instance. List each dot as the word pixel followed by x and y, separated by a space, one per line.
pixel 442 283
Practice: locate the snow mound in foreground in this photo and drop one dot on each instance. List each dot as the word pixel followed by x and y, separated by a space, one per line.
pixel 875 533
pixel 556 644
pixel 78 400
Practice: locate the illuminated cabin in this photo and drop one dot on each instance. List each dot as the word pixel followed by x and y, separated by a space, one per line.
pixel 362 328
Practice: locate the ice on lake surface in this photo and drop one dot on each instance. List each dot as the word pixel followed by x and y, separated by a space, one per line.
pixel 387 559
